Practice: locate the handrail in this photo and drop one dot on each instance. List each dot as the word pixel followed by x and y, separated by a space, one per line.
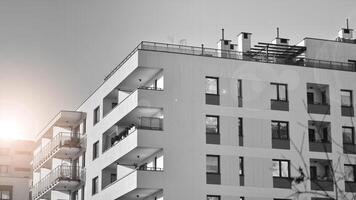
pixel 65 172
pixel 237 55
pixel 61 139
pixel 128 174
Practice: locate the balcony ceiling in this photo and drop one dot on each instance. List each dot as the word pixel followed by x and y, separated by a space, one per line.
pixel 139 77
pixel 133 116
pixel 62 119
pixel 137 155
pixel 139 194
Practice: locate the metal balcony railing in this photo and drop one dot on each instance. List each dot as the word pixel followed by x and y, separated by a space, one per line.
pixel 62 139
pixel 60 173
pixel 146 123
pixel 210 52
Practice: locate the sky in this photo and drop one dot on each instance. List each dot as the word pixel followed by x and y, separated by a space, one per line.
pixel 54 54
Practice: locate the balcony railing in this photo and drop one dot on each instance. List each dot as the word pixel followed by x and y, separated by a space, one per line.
pixel 153 169
pixel 210 52
pixel 147 123
pixel 60 173
pixel 62 139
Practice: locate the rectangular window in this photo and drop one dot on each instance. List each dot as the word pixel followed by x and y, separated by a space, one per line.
pixel 212 197
pixel 348 135
pixel 239 88
pixel 94 185
pixel 212 85
pixel 213 164
pixel 241 164
pixel 349 171
pixel 240 126
pixel 5 192
pixel 280 168
pixel 212 124
pixel 280 130
pixel 95 150
pixel 279 92
pixel 96 115
pixel 346 98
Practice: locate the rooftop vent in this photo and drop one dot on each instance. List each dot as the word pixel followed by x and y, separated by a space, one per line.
pixel 281 41
pixel 225 45
pixel 345 34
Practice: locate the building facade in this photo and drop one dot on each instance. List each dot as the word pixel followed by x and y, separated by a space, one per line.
pixel 15 169
pixel 270 121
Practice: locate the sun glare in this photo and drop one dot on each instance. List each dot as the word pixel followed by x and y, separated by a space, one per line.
pixel 16 122
pixel 10 129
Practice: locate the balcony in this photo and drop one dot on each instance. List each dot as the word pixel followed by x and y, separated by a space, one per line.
pixel 349 148
pixel 319 136
pixel 350 186
pixel 279 105
pixel 323 185
pixel 63 146
pixel 280 143
pixel 318 98
pixel 321 175
pixel 347 111
pixel 62 178
pixel 282 182
pixel 136 184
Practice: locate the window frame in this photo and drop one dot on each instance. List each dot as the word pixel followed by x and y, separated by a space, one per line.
pixel 353 170
pixel 240 126
pixel 218 124
pixel 217 196
pixel 280 168
pixel 218 159
pixel 94 185
pixel 96 150
pixel 278 91
pixel 279 130
pixel 96 115
pixel 351 99
pixel 241 166
pixel 217 85
pixel 352 136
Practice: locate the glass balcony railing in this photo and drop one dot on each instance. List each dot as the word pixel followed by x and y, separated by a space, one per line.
pixel 210 52
pixel 63 139
pixel 53 179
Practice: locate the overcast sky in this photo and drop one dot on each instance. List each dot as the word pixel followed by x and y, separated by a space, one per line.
pixel 55 53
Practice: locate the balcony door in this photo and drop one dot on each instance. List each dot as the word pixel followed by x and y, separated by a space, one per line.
pixel 310 98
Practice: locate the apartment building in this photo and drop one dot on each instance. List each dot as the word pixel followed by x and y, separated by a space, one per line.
pixel 15 169
pixel 262 122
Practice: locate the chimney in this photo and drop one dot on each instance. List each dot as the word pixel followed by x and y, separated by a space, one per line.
pixel 244 42
pixel 225 45
pixel 280 41
pixel 345 33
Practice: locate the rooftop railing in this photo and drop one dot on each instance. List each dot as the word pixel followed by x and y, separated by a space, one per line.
pixel 60 173
pixel 218 53
pixel 63 139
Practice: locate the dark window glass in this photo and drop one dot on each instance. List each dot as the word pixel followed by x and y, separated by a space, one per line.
pixel 212 164
pixel 348 135
pixel 245 36
pixel 241 163
pixel 95 150
pixel 95 185
pixel 349 171
pixel 212 124
pixel 96 115
pixel 280 130
pixel 240 121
